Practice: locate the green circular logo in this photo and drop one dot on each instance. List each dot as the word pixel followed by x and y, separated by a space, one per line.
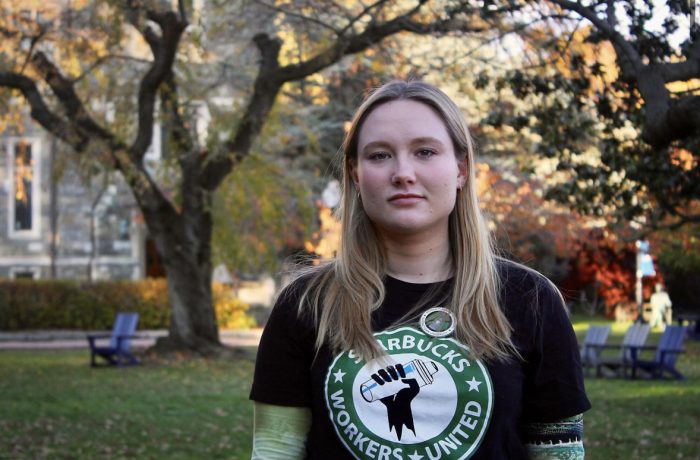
pixel 426 399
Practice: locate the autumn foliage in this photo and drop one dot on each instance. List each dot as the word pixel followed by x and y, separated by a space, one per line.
pixel 591 264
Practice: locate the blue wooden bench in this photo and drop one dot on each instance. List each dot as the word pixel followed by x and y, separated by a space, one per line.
pixel 635 336
pixel 592 346
pixel 118 352
pixel 665 355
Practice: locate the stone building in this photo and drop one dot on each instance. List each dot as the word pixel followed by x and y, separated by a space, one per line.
pixel 57 221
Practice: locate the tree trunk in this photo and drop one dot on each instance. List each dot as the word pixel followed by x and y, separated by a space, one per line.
pixel 186 252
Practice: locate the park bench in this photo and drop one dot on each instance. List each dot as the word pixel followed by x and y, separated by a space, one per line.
pixel 592 347
pixel 635 336
pixel 118 352
pixel 665 355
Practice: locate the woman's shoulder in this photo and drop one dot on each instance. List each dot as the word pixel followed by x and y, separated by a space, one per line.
pixel 290 306
pixel 518 282
pixel 299 283
pixel 514 275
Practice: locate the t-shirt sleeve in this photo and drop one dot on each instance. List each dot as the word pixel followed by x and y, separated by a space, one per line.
pixel 285 354
pixel 554 386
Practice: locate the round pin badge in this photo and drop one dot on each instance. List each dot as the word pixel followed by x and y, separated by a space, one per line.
pixel 438 322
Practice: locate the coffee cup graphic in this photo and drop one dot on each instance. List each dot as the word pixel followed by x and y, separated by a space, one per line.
pixel 417 369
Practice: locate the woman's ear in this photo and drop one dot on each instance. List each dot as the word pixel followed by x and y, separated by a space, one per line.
pixel 352 168
pixel 463 173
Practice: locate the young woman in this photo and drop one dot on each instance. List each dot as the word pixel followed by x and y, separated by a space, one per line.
pixel 416 341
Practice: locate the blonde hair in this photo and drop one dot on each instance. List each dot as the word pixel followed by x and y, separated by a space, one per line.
pixel 343 293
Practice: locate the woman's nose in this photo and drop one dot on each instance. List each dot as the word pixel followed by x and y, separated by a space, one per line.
pixel 404 173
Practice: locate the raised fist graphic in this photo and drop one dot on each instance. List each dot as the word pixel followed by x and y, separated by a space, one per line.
pixel 399 392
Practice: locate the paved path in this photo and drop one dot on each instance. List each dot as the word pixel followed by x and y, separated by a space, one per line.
pixel 28 340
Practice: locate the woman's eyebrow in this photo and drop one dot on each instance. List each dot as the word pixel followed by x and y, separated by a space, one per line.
pixel 413 142
pixel 375 144
pixel 427 140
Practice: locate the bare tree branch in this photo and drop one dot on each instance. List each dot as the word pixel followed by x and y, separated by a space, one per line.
pixel 681 218
pixel 665 120
pixel 265 91
pixel 686 70
pixel 63 88
pixel 164 50
pixel 343 10
pixel 369 37
pixel 297 15
pixel 34 41
pixel 54 124
pixel 107 57
pixel 271 77
pixel 360 15
pixel 182 9
pixel 80 129
pixel 633 63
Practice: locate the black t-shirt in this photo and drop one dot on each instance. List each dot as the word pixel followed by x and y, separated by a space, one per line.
pixel 430 399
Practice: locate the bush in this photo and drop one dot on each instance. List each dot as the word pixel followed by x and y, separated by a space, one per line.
pixel 231 312
pixel 50 304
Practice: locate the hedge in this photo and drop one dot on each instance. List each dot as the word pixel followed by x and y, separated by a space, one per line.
pixel 63 304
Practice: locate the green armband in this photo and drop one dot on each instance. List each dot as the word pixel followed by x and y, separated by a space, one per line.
pixel 280 432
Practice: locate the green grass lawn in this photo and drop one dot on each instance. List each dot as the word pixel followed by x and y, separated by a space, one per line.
pixel 54 406
pixel 643 419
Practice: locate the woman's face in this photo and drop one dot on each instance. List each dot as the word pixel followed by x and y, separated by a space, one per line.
pixel 406 169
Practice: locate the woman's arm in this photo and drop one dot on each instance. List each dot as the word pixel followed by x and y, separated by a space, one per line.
pixel 562 440
pixel 280 432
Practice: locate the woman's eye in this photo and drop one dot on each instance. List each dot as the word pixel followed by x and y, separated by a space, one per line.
pixel 378 156
pixel 426 152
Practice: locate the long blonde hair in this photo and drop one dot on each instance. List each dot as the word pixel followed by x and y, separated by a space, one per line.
pixel 343 293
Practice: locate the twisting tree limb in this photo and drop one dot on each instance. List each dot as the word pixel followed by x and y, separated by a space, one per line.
pixel 686 70
pixel 164 49
pixel 666 119
pixel 628 58
pixel 360 15
pixel 54 124
pixel 102 60
pixel 271 77
pixel 265 90
pixel 63 88
pixel 294 14
pixel 79 130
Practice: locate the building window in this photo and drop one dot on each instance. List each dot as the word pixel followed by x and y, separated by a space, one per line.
pixel 24 218
pixel 124 234
pixel 22 273
pixel 24 175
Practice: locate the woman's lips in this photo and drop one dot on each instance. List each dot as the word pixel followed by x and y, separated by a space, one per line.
pixel 405 198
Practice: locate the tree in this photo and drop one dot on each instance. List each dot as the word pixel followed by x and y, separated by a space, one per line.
pixel 617 102
pixel 54 81
pixel 261 215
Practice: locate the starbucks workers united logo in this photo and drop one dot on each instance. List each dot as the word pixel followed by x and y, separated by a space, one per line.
pixel 428 399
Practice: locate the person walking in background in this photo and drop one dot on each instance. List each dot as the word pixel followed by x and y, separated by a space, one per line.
pixel 660 307
pixel 416 341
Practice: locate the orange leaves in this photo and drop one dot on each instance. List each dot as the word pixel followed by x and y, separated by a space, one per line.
pixel 326 241
pixel 683 158
pixel 524 221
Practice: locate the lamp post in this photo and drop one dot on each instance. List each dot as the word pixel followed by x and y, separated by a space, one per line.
pixel 645 267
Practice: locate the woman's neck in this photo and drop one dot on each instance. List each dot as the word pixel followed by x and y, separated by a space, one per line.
pixel 418 260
